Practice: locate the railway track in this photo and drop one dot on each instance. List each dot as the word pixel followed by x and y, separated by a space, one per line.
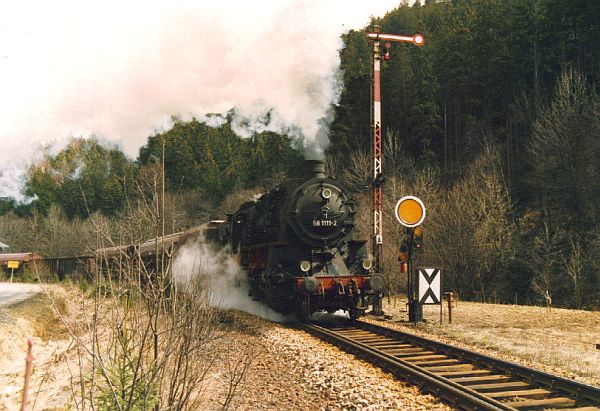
pixel 464 378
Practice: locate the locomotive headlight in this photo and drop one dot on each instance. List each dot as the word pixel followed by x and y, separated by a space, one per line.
pixel 367 264
pixel 326 193
pixel 305 266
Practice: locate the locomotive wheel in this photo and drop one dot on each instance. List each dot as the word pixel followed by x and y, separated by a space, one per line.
pixel 303 309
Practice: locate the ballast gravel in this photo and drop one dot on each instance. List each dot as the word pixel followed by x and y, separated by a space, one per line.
pixel 295 371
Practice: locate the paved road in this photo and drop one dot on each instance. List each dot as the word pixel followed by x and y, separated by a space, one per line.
pixel 11 293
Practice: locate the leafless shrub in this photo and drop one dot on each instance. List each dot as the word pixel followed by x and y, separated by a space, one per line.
pixel 333 165
pixel 472 232
pixel 397 163
pixel 545 257
pixel 357 175
pixel 422 185
pixel 18 233
pixel 467 229
pixel 142 341
pixel 574 267
pixel 232 201
pixel 51 235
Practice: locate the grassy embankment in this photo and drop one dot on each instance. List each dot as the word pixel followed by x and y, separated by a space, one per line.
pixel 557 340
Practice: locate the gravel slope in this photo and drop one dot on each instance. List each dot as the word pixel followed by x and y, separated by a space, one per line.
pixel 297 371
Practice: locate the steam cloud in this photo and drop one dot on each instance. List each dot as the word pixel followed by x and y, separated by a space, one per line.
pixel 120 70
pixel 198 261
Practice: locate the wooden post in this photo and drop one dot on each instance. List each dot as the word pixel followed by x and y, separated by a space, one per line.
pixel 28 369
pixel 450 299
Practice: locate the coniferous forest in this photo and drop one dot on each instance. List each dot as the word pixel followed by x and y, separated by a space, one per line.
pixel 494 123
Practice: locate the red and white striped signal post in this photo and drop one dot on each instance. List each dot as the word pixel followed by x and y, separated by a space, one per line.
pixel 376 36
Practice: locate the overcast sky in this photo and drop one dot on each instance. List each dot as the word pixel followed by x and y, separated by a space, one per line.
pixel 120 70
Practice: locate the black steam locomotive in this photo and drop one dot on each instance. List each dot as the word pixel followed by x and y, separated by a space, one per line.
pixel 296 244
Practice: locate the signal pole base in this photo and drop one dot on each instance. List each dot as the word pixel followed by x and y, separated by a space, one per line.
pixel 415 312
pixel 377 310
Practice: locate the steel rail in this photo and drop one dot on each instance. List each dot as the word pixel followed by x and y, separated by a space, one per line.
pixel 455 393
pixel 542 378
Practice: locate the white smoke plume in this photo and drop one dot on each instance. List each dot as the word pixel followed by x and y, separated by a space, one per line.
pixel 219 270
pixel 120 70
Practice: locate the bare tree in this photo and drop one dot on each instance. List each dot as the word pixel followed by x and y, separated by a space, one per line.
pixel 574 267
pixel 564 148
pixel 358 174
pixel 471 231
pixel 397 163
pixel 234 199
pixel 51 235
pixel 545 256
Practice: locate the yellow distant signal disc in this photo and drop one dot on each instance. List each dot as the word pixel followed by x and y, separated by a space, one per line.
pixel 410 211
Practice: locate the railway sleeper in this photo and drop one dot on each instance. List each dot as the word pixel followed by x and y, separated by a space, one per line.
pixel 429 356
pixel 407 352
pixel 458 367
pixel 389 345
pixel 372 339
pixel 356 333
pixel 558 402
pixel 437 362
pixel 461 373
pixel 538 393
pixel 371 342
pixel 366 334
pixel 378 339
pixel 479 379
pixel 518 385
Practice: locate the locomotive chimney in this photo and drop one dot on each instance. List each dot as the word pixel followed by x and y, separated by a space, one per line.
pixel 314 169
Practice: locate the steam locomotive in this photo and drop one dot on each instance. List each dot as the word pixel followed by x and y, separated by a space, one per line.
pixel 296 244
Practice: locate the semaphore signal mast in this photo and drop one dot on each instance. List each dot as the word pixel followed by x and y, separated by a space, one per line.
pixel 376 36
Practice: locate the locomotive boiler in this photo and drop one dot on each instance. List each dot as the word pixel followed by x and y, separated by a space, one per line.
pixel 296 244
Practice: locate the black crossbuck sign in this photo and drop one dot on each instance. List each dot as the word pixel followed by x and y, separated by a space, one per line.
pixel 430 285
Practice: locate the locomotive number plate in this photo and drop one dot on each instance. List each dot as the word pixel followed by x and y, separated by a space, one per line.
pixel 324 223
